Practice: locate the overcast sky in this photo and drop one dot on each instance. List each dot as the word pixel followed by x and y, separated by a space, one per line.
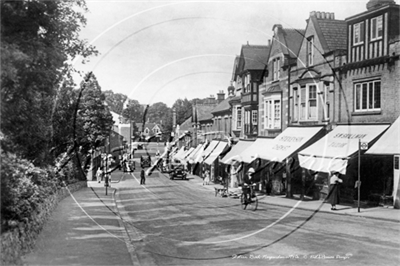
pixel 159 51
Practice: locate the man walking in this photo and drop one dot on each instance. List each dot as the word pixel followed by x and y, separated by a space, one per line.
pixel 142 177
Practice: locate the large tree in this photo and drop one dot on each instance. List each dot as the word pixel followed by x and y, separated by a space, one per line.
pixel 116 101
pixel 134 111
pixel 183 109
pixel 38 39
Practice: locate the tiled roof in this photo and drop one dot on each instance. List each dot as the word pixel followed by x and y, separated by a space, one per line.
pixel 222 106
pixel 293 40
pixel 254 57
pixel 203 111
pixel 335 34
pixel 186 125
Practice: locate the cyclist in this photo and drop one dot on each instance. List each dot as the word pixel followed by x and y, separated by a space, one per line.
pixel 248 181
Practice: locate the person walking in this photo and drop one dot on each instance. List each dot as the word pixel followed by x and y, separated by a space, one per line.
pixel 142 177
pixel 99 174
pixel 334 192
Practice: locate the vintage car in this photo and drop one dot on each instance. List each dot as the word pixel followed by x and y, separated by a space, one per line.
pixel 145 161
pixel 177 171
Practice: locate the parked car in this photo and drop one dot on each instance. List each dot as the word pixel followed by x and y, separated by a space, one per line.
pixel 178 172
pixel 145 161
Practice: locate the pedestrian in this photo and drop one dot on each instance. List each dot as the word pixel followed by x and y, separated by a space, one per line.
pixel 334 192
pixel 206 179
pixel 142 177
pixel 99 174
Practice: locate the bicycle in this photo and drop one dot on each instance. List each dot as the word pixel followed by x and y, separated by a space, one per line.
pixel 248 198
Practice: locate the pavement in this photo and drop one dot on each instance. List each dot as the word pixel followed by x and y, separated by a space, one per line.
pixel 87 229
pixel 387 213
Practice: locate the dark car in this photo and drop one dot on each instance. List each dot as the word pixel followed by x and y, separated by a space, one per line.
pixel 178 172
pixel 145 161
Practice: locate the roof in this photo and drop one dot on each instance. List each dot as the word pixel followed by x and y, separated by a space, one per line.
pixel 186 125
pixel 202 112
pixel 332 33
pixel 253 57
pixel 293 39
pixel 223 106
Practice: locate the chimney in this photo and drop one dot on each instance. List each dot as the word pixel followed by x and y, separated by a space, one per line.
pixel 374 4
pixel 220 96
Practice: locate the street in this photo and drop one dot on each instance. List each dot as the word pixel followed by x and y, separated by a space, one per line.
pixel 177 222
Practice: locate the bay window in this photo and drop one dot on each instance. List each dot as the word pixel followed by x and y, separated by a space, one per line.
pixel 272 108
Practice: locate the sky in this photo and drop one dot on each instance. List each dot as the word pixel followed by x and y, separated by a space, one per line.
pixel 161 51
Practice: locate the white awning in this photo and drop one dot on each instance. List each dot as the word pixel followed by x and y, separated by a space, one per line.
pixel 216 152
pixel 287 143
pixel 179 153
pixel 194 154
pixel 207 151
pixel 235 153
pixel 331 153
pixel 389 142
pixel 253 151
pixel 188 152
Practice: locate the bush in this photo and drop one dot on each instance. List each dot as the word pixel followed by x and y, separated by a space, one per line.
pixel 23 188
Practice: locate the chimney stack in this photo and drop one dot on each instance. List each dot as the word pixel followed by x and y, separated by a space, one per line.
pixel 374 4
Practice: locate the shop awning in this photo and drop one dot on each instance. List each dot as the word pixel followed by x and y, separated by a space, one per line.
pixel 179 153
pixel 195 153
pixel 252 152
pixel 235 153
pixel 188 152
pixel 216 152
pixel 287 143
pixel 208 150
pixel 331 153
pixel 389 142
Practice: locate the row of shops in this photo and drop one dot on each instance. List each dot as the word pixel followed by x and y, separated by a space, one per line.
pixel 300 160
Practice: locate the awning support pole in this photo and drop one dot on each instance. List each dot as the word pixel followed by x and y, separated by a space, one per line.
pixel 358 182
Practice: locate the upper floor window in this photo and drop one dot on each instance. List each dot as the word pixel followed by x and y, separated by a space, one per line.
pixel 367 96
pixel 239 117
pixel 376 28
pixel 272 108
pixel 295 104
pixel 308 102
pixel 254 117
pixel 276 65
pixel 326 101
pixel 310 51
pixel 146 130
pixel 358 37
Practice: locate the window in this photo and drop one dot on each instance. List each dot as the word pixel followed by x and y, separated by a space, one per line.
pixel 295 104
pixel 276 65
pixel 303 103
pixel 326 101
pixel 146 131
pixel 358 37
pixel 367 96
pixel 308 102
pixel 310 51
pixel 254 117
pixel 312 102
pixel 239 117
pixel 247 83
pixel 272 109
pixel 376 28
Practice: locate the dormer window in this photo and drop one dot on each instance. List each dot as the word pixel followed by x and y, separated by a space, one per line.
pixel 376 28
pixel 358 37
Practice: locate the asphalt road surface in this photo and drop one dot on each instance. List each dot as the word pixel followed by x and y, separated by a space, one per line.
pixel 177 222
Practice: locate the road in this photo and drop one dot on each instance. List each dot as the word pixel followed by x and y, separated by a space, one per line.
pixel 177 222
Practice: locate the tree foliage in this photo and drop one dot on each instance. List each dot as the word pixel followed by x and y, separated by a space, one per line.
pixel 133 112
pixel 38 40
pixel 183 109
pixel 115 101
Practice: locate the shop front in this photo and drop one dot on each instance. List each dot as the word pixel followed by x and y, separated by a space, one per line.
pixel 338 152
pixel 388 147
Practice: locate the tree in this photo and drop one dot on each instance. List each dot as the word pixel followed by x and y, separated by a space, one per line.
pixel 157 112
pixel 115 101
pixel 183 109
pixel 38 39
pixel 133 112
pixel 94 118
